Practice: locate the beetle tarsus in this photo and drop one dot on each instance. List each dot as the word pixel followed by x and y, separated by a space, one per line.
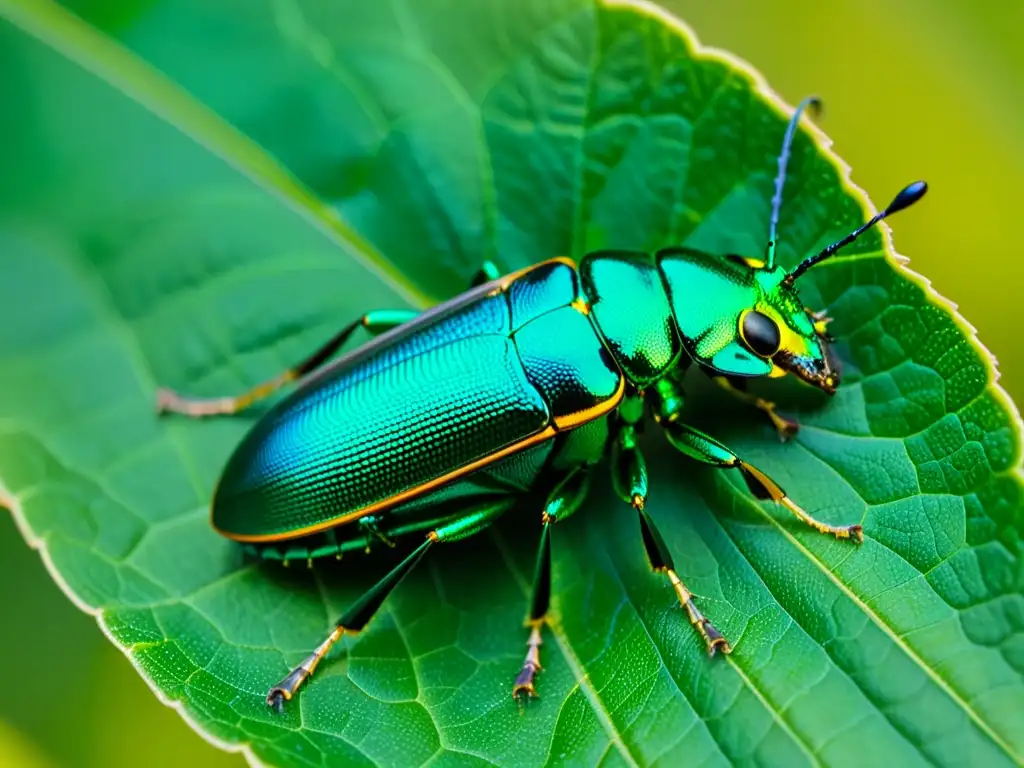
pixel 854 533
pixel 763 487
pixel 169 401
pixel 531 666
pixel 285 690
pixel 786 428
pixel 713 639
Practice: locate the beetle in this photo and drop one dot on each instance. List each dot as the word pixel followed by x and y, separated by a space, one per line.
pixel 519 386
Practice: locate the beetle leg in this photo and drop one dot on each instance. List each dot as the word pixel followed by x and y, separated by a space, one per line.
pixel 488 271
pixel 737 387
pixel 362 610
pixel 371 525
pixel 661 562
pixel 562 502
pixel 630 481
pixel 374 322
pixel 539 602
pixel 702 447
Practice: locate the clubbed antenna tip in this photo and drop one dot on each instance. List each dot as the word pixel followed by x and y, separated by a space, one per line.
pixel 909 195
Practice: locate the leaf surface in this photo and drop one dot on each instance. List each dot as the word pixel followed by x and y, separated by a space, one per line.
pixel 197 194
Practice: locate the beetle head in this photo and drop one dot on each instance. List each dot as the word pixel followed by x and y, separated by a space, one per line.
pixel 743 317
pixel 739 318
pixel 782 331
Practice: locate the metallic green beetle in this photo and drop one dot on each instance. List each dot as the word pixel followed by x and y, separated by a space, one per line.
pixel 516 388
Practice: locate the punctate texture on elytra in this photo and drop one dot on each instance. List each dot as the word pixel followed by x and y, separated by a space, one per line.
pixel 221 203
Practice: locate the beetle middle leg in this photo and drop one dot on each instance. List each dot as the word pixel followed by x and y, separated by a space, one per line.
pixel 377 321
pixel 562 502
pixel 630 481
pixel 362 610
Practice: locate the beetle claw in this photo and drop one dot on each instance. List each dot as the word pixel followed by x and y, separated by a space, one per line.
pixel 713 639
pixel 285 689
pixel 276 699
pixel 787 428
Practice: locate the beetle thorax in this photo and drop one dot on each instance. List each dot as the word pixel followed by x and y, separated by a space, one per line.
pixel 631 310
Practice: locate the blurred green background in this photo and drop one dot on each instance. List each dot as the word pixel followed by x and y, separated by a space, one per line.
pixel 913 89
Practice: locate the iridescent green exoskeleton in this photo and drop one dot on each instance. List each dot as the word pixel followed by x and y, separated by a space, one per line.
pixel 513 390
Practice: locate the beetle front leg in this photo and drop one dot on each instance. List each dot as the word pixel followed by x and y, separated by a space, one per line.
pixel 700 446
pixel 362 610
pixel 737 387
pixel 375 322
pixel 562 502
pixel 630 481
pixel 704 448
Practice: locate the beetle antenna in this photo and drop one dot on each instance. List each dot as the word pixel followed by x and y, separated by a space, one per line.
pixel 909 195
pixel 787 141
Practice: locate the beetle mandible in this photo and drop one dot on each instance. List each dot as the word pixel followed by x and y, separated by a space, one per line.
pixel 518 386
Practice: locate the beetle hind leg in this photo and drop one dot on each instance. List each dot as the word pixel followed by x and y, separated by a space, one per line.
pixel 378 321
pixel 375 322
pixel 354 619
pixel 286 688
pixel 539 603
pixel 362 610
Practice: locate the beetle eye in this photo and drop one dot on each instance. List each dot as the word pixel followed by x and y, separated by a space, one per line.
pixel 760 333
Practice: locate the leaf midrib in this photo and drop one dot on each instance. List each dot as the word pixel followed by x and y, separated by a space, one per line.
pixel 118 67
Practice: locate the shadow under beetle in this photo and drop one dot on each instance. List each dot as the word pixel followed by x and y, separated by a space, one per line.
pixel 521 384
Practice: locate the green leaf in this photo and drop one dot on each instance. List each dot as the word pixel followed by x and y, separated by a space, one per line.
pixel 300 161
